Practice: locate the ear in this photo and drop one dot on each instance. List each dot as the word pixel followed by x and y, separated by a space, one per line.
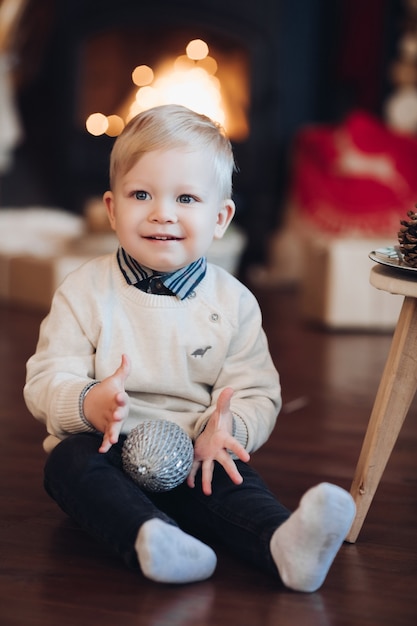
pixel 224 217
pixel 108 200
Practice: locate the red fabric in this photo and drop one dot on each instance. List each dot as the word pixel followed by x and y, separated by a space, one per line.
pixel 356 177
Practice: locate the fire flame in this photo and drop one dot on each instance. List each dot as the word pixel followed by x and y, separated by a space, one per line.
pixel 190 80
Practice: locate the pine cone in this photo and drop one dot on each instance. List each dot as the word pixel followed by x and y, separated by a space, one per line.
pixel 407 236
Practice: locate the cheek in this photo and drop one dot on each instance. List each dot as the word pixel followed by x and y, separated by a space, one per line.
pixel 202 233
pixel 126 219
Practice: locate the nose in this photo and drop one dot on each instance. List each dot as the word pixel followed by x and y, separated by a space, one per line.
pixel 162 212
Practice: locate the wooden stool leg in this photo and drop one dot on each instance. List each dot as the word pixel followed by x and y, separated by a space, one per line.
pixel 395 394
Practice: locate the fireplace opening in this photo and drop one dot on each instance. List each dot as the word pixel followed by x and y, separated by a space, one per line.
pixel 120 78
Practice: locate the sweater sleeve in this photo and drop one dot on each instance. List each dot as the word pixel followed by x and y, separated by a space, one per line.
pixel 60 369
pixel 251 373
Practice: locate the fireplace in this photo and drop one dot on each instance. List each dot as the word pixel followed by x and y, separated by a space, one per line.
pixel 211 79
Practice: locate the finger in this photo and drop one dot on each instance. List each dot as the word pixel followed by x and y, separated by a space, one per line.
pixel 111 436
pixel 223 401
pixel 207 477
pixel 191 476
pixel 230 468
pixel 114 430
pixel 243 455
pixel 119 415
pixel 234 446
pixel 124 368
pixel 105 445
pixel 126 364
pixel 121 398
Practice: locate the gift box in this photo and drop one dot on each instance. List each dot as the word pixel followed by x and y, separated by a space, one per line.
pixel 32 280
pixel 335 288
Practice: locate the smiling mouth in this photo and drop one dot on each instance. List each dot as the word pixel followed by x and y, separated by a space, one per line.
pixel 163 238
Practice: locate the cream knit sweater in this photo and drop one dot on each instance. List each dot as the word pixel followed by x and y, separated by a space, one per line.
pixel 183 353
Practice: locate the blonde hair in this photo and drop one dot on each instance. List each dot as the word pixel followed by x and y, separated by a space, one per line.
pixel 173 126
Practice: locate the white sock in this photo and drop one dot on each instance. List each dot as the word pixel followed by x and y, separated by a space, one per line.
pixel 305 545
pixel 168 555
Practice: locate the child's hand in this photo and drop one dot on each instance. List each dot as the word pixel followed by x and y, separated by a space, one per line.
pixel 106 405
pixel 213 445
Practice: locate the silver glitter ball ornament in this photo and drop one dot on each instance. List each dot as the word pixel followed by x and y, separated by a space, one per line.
pixel 158 455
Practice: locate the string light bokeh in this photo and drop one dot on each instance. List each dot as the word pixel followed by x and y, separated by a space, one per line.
pixel 189 79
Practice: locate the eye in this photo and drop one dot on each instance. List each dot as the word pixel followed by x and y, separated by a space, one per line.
pixel 141 195
pixel 185 198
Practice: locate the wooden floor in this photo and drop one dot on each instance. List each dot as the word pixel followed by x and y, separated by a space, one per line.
pixel 51 573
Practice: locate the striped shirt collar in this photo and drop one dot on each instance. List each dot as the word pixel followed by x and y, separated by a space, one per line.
pixel 181 283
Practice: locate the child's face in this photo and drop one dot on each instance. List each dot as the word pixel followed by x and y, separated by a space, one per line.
pixel 167 210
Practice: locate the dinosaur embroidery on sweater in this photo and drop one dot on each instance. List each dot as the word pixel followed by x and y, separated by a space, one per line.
pixel 200 352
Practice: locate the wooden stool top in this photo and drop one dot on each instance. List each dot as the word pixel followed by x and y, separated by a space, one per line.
pixel 394 281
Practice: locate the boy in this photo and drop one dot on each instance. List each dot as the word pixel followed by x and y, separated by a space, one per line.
pixel 154 332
